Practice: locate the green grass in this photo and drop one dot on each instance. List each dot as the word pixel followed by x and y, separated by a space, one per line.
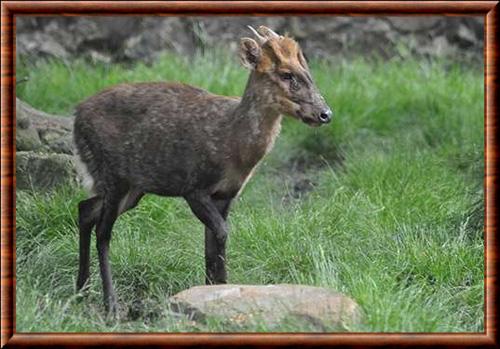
pixel 394 219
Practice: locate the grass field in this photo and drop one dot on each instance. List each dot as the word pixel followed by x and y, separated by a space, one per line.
pixel 384 204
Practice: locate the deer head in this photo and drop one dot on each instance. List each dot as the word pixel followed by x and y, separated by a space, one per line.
pixel 282 76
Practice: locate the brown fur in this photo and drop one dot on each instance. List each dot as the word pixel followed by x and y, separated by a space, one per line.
pixel 173 139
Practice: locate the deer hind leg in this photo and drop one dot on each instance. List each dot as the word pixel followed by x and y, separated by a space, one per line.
pixel 213 214
pixel 89 212
pixel 109 214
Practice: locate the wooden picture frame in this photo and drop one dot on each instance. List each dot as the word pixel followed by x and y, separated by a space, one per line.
pixel 10 9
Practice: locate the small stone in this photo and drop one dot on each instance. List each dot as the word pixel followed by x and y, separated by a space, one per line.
pixel 272 305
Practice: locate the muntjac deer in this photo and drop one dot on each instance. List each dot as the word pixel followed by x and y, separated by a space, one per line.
pixel 173 139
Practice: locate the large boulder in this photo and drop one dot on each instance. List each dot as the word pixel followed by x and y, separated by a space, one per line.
pixel 40 171
pixel 27 138
pixel 37 130
pixel 270 306
pixel 44 149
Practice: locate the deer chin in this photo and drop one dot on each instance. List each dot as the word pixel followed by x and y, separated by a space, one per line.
pixel 311 122
pixel 307 120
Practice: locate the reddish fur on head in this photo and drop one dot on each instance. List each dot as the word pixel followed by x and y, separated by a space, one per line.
pixel 279 64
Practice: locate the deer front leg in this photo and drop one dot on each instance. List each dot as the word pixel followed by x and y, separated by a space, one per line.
pixel 215 251
pixel 212 213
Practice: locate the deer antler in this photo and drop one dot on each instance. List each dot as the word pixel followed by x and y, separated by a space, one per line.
pixel 259 37
pixel 267 33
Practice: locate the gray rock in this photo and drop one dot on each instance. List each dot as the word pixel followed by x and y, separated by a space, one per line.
pixel 43 171
pixel 27 139
pixel 22 118
pixel 413 24
pixel 439 46
pixel 40 120
pixel 39 45
pixel 112 39
pixel 271 305
pixel 44 146
pixel 62 144
pixel 155 36
pixel 37 130
pixel 466 34
pixel 57 140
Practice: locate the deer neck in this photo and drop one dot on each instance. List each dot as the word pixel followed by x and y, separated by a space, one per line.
pixel 257 121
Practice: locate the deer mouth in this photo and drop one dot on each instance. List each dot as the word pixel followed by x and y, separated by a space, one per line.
pixel 312 122
pixel 309 121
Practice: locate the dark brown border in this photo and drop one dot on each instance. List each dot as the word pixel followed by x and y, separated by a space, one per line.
pixel 492 97
pixel 9 9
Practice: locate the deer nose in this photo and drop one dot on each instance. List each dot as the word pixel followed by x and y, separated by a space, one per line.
pixel 325 116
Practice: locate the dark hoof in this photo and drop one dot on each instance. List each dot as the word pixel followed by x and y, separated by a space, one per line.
pixel 111 307
pixel 215 281
pixel 82 284
pixel 112 312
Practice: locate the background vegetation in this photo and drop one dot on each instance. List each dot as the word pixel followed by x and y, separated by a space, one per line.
pixel 384 204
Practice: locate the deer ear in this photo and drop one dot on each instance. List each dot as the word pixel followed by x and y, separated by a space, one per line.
pixel 250 53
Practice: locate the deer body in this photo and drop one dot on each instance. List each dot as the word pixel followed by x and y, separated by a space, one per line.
pixel 173 139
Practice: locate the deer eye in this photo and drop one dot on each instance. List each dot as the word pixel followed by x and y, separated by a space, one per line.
pixel 286 76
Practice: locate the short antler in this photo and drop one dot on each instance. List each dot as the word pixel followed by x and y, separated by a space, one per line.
pixel 259 37
pixel 267 33
pixel 262 34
